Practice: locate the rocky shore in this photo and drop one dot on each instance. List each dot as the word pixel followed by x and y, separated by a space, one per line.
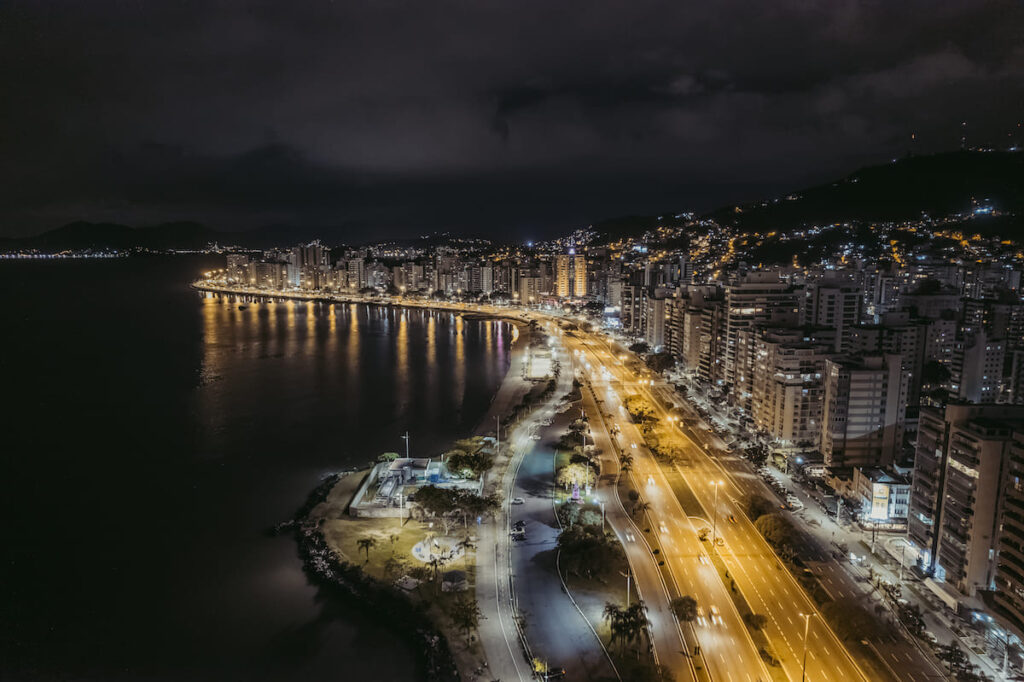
pixel 347 583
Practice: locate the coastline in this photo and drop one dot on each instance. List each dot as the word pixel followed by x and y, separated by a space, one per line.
pixel 345 581
pixel 509 314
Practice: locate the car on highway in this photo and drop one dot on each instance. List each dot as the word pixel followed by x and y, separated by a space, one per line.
pixel 701 618
pixel 518 500
pixel 633 445
pixel 704 559
pixel 663 528
pixel 535 436
pixel 716 615
pixel 732 519
pixel 650 480
pixel 554 673
pixel 629 536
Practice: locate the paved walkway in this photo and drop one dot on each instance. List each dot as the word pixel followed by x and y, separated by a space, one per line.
pixel 558 632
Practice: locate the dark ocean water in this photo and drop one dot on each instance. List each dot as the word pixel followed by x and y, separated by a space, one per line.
pixel 151 435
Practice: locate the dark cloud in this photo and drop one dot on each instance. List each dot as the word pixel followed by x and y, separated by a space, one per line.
pixel 497 117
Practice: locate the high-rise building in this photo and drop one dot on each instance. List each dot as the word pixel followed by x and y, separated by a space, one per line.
pixel 897 333
pixel 529 290
pixel 563 282
pixel 237 265
pixel 710 368
pixel 977 369
pixel 788 388
pixel 863 412
pixel 655 314
pixel 356 273
pixel 1009 580
pixel 957 491
pixel 631 312
pixel 836 301
pixel 759 298
pixel 579 275
pixel 312 261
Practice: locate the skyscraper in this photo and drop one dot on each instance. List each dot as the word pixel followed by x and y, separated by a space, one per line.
pixel 563 283
pixel 865 400
pixel 579 275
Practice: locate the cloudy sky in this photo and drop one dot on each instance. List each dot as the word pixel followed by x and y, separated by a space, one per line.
pixel 499 118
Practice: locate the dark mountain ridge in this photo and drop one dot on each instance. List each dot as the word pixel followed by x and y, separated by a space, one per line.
pixel 937 185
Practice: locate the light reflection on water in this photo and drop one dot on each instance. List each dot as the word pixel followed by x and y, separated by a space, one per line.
pixel 168 431
pixel 326 386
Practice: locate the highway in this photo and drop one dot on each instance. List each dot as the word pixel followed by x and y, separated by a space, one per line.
pixel 768 587
pixel 727 649
pixel 647 582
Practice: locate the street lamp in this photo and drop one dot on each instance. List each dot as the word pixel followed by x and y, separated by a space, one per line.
pixel 714 523
pixel 807 625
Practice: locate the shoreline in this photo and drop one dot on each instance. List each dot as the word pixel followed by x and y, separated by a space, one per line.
pixel 347 583
pixel 341 579
pixel 511 314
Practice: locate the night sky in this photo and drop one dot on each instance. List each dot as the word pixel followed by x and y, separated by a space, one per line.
pixel 397 118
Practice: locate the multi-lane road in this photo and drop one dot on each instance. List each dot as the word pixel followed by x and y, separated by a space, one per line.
pixel 727 651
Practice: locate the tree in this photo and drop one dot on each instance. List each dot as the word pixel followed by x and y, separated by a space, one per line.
pixel 470 464
pixel 640 508
pixel 465 613
pixel 366 544
pixel 636 621
pixel 685 608
pixel 626 463
pixel 755 621
pixel 660 362
pixel 393 567
pixel 638 408
pixel 466 544
pixel 615 617
pixel 954 656
pixel 387 457
pixel 757 506
pixel 776 529
pixel 639 347
pixel 578 474
pixel 634 496
pixel 569 514
pixel 585 549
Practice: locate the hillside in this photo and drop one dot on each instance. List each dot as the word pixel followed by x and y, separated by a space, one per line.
pixel 939 185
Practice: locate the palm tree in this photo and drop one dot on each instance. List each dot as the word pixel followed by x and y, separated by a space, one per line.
pixel 436 564
pixel 640 508
pixel 635 622
pixel 466 545
pixel 626 460
pixel 366 544
pixel 465 614
pixel 616 618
